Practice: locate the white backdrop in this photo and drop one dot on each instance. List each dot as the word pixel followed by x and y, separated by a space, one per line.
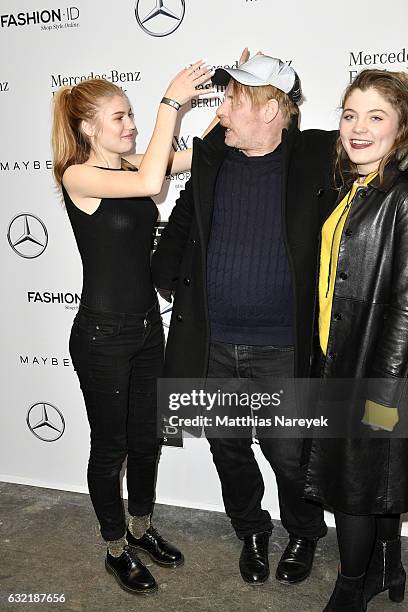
pixel 44 45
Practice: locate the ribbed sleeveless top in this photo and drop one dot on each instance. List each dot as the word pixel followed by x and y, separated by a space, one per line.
pixel 115 246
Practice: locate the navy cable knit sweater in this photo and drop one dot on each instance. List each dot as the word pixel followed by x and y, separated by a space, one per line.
pixel 249 286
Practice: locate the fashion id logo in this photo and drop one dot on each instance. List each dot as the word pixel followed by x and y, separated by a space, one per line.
pixel 49 19
pixel 159 17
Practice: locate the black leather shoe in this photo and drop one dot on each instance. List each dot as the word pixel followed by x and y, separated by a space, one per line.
pixel 130 572
pixel 253 562
pixel 163 553
pixel 297 560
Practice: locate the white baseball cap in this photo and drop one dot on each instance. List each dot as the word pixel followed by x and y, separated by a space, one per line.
pixel 262 70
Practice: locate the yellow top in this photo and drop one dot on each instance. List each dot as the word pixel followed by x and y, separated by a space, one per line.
pixel 375 415
pixel 332 232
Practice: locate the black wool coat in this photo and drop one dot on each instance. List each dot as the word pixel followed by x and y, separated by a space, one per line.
pixel 179 262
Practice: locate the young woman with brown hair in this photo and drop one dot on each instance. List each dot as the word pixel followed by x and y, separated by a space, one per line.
pixel 116 341
pixel 363 334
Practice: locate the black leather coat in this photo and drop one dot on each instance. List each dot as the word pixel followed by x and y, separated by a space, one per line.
pixel 369 339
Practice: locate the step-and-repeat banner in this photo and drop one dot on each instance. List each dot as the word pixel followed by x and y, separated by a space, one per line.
pixel 138 45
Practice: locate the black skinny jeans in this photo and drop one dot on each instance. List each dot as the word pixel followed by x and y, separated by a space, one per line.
pixel 118 358
pixel 240 476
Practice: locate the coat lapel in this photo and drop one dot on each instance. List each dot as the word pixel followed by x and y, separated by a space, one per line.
pixel 206 164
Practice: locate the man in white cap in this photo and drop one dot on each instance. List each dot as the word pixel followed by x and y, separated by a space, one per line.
pixel 240 253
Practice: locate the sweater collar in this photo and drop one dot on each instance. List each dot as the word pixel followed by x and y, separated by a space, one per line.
pixel 256 160
pixel 214 143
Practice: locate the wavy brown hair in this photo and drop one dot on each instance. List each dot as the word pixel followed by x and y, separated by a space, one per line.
pixel 71 106
pixel 393 86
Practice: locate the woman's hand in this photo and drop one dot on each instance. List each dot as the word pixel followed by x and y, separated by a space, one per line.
pixel 244 56
pixel 184 85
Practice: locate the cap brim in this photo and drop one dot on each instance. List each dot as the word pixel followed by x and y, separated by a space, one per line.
pixel 222 76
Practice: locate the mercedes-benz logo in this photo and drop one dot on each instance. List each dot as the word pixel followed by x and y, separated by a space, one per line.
pixel 45 421
pixel 161 19
pixel 27 235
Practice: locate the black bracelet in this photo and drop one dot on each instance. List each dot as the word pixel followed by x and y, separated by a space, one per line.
pixel 171 102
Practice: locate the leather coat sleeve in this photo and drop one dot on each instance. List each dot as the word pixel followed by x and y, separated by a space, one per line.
pixel 167 258
pixel 390 362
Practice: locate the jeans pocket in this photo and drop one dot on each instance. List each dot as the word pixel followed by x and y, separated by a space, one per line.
pixel 105 330
pixel 100 331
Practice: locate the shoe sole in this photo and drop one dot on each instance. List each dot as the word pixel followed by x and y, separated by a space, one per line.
pixel 161 563
pixel 149 591
pixel 257 583
pixel 292 581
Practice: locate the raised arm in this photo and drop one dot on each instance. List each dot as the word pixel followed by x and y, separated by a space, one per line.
pixel 180 161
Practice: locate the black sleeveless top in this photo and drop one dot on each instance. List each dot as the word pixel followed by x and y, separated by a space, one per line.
pixel 115 246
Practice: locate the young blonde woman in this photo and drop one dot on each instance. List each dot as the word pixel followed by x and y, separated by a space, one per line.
pixel 116 342
pixel 363 333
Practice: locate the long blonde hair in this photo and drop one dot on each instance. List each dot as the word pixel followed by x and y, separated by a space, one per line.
pixel 71 106
pixel 393 86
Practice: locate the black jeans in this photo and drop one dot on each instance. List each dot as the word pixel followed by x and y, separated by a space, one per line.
pixel 240 476
pixel 118 358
